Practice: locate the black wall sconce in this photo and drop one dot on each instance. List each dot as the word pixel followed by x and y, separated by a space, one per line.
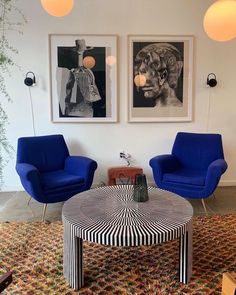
pixel 211 80
pixel 28 80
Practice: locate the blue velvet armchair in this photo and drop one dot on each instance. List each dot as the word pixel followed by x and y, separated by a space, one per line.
pixel 48 173
pixel 194 167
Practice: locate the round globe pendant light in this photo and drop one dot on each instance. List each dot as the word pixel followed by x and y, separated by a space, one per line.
pixel 58 7
pixel 220 20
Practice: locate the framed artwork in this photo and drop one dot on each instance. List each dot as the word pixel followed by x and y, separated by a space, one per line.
pixel 83 78
pixel 160 78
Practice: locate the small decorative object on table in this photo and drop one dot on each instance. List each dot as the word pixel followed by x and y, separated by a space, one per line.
pixel 140 188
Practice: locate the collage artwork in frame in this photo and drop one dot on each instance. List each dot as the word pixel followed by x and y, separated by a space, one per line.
pixel 83 73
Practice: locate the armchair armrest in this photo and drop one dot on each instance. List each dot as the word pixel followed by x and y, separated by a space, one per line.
pixel 79 165
pixel 216 169
pixel 214 172
pixel 164 163
pixel 83 166
pixel 30 179
pixel 26 171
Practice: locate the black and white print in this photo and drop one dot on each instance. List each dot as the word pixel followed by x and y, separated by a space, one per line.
pixel 84 93
pixel 83 78
pixel 161 64
pixel 160 78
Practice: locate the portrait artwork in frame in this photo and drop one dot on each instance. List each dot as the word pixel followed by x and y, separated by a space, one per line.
pixel 83 74
pixel 160 78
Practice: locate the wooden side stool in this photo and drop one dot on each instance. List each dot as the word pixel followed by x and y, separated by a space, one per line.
pixel 123 172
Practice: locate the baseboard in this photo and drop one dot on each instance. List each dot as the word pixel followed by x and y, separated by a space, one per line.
pixel 102 184
pixel 221 183
pixel 20 188
pixel 227 183
pixel 11 188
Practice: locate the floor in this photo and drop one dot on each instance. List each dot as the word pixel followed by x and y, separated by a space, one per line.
pixel 14 207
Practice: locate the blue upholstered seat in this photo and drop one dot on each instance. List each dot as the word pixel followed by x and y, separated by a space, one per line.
pixel 186 176
pixel 60 178
pixel 194 167
pixel 48 173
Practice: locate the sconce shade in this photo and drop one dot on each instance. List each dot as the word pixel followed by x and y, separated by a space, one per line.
pixel 220 20
pixel 139 80
pixel 58 7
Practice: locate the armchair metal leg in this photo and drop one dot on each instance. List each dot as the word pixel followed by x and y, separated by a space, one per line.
pixel 44 210
pixel 204 205
pixel 29 201
pixel 214 196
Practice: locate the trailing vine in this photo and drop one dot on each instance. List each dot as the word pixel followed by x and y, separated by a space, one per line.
pixel 8 23
pixel 6 148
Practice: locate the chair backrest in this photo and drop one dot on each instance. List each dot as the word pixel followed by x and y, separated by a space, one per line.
pixel 197 150
pixel 47 153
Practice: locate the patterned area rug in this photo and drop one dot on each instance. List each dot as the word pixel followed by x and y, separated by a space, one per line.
pixel 34 252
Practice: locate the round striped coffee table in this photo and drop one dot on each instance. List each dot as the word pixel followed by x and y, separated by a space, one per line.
pixel 108 215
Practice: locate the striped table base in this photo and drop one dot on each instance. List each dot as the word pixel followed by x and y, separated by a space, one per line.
pixel 109 216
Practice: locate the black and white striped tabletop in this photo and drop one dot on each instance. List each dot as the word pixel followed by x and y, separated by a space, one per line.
pixel 108 215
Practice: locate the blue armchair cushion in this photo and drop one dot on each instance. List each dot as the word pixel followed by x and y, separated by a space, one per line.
pixel 186 176
pixel 59 178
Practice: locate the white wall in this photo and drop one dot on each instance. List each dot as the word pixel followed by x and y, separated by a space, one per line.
pixel 103 142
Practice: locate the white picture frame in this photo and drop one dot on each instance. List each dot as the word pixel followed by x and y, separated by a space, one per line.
pixel 160 78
